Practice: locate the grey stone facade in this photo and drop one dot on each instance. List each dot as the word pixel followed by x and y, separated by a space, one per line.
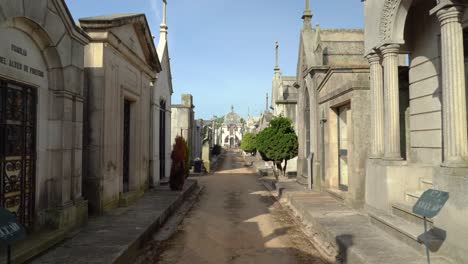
pixel 423 113
pixel 42 48
pixel 41 81
pixel 121 65
pixel 161 100
pixel 333 81
pixel 182 120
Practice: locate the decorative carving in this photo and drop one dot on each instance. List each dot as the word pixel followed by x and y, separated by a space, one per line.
pixel 386 19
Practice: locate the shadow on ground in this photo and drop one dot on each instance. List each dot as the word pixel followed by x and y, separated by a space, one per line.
pixel 235 221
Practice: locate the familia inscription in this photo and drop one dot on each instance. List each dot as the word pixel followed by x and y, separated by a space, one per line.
pixel 19 65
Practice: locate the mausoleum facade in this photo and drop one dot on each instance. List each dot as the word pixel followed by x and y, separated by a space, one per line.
pixel 121 65
pixel 419 137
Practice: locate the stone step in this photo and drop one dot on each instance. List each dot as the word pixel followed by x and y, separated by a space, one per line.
pixel 265 171
pixel 336 193
pixel 412 196
pixel 405 211
pixel 164 181
pixel 343 234
pixel 400 229
pixel 426 183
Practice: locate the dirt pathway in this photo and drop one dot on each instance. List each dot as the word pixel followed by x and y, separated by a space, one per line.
pixel 236 221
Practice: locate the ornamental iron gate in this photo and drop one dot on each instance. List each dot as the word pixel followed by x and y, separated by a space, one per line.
pixel 18 150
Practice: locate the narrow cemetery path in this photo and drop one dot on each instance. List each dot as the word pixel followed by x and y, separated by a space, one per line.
pixel 236 221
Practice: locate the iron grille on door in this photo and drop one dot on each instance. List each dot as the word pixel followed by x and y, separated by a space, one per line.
pixel 18 150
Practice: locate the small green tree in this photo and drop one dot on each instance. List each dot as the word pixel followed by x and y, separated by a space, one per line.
pixel 278 142
pixel 248 143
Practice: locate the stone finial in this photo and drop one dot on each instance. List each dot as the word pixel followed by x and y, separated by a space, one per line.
pixel 266 102
pixel 164 12
pixel 163 26
pixel 232 108
pixel 277 68
pixel 307 16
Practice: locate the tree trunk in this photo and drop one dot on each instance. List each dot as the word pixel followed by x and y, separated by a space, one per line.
pixel 278 166
pixel 285 166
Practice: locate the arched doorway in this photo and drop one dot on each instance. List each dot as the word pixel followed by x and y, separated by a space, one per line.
pixel 162 139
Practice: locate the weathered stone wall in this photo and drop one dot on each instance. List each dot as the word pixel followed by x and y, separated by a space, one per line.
pixel 425 90
pixel 162 91
pixel 182 119
pixel 417 29
pixel 112 78
pixel 345 87
pixel 53 64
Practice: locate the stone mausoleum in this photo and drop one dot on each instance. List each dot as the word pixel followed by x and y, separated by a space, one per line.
pixel 121 63
pixel 75 111
pixel 232 130
pixel 161 111
pixel 183 120
pixel 41 116
pixel 333 110
pixel 419 135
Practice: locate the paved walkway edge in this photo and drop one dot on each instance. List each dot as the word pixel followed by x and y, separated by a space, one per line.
pixel 326 249
pixel 341 234
pixel 131 253
pixel 119 236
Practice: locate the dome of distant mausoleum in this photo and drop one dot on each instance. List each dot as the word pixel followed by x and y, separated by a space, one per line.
pixel 232 118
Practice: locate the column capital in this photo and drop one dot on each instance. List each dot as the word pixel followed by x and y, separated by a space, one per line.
pixel 449 11
pixel 451 14
pixel 390 50
pixel 374 58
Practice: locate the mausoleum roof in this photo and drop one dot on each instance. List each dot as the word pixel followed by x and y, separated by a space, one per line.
pixel 232 118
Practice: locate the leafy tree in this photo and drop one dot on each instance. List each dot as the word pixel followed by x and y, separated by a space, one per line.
pixel 278 142
pixel 248 143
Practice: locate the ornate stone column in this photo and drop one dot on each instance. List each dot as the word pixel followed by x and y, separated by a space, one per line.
pixel 453 85
pixel 377 106
pixel 392 104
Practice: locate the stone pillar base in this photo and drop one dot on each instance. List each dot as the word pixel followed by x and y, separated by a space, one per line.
pixel 302 180
pixel 129 198
pixel 207 164
pixel 67 217
pixel 317 184
pixel 455 164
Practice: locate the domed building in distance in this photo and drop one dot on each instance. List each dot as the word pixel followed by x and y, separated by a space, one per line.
pixel 232 130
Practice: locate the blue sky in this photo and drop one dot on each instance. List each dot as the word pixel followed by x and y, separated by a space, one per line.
pixel 222 51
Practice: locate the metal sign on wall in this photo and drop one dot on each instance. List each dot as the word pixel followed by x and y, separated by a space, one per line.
pixel 430 203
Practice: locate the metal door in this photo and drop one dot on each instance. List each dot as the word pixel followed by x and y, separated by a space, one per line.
pixel 162 140
pixel 343 147
pixel 18 150
pixel 126 146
